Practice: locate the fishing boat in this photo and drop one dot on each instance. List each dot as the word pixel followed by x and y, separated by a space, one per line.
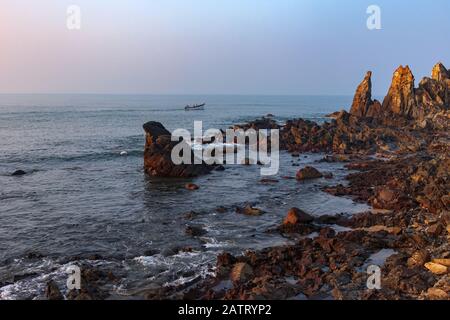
pixel 195 107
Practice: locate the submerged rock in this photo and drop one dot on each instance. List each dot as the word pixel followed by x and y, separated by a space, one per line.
pixel 250 211
pixel 195 231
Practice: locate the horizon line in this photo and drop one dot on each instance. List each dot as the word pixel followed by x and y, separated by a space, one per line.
pixel 179 94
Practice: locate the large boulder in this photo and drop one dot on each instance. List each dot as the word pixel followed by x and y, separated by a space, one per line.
pixel 158 155
pixel 308 173
pixel 296 216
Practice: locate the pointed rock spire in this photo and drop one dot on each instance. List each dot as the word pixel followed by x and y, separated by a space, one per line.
pixel 401 97
pixel 440 73
pixel 363 97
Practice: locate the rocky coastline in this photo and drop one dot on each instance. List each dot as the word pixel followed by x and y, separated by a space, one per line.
pixel 400 151
pixel 398 154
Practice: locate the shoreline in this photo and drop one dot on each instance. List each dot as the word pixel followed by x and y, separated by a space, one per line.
pixel 398 155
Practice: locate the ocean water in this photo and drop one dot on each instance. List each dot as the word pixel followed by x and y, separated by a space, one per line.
pixel 81 197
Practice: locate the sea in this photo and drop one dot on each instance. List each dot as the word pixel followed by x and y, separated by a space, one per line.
pixel 86 199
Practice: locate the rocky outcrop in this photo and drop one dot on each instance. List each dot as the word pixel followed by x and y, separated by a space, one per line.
pixel 158 151
pixel 363 97
pixel 363 105
pixel 400 99
pixel 440 73
pixel 426 106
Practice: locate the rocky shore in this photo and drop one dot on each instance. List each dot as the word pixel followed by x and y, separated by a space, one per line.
pixel 398 154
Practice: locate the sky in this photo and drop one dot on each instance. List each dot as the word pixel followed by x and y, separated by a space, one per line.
pixel 295 47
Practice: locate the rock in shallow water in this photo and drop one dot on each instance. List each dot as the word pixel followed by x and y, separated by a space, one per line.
pixel 297 216
pixel 18 173
pixel 308 173
pixel 158 155
pixel 52 291
pixel 192 186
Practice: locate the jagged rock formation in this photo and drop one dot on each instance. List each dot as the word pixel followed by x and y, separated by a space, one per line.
pixel 363 105
pixel 400 99
pixel 425 106
pixel 158 151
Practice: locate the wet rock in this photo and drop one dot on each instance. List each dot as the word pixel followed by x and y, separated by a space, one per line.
pixel 52 291
pixel 158 155
pixel 328 175
pixel 250 211
pixel 18 173
pixel 221 209
pixel 34 255
pixel 308 173
pixel 241 272
pixel 190 215
pixel 151 252
pixel 297 216
pixel 195 231
pixel 268 181
pixel 191 186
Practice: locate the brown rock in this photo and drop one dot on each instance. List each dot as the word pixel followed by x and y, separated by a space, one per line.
pixel 241 272
pixel 52 291
pixel 158 155
pixel 192 186
pixel 440 73
pixel 437 294
pixel 436 268
pixel 400 99
pixel 308 173
pixel 250 211
pixel 363 97
pixel 297 216
pixel 418 258
pixel 195 231
pixel 435 229
pixel 444 262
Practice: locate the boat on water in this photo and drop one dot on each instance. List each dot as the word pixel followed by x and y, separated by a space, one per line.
pixel 195 107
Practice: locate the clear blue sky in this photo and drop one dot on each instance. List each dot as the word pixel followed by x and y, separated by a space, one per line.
pixel 216 46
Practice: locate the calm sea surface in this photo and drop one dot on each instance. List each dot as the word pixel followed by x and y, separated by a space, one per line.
pixel 82 197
